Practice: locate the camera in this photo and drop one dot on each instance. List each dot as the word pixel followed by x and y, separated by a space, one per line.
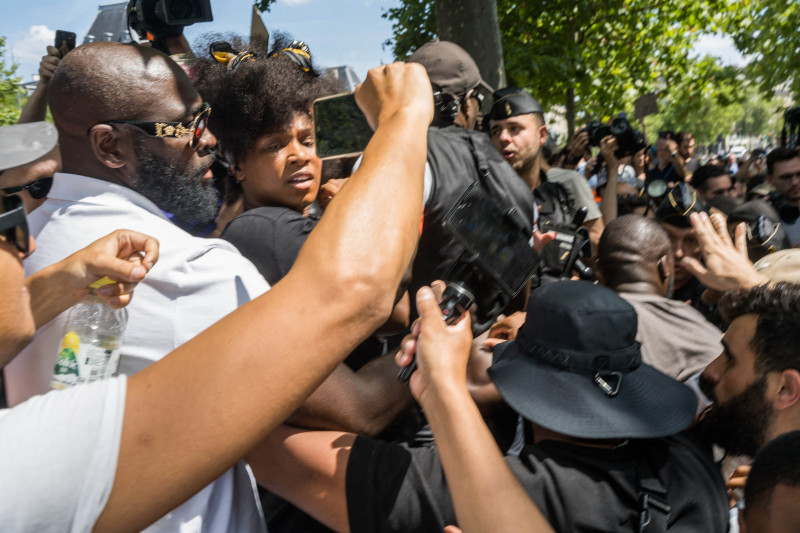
pixel 495 263
pixel 629 140
pixel 166 18
pixel 570 251
pixel 597 131
pixel 790 135
pixel 788 211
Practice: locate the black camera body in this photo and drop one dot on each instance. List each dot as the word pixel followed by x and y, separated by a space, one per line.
pixel 166 18
pixel 788 211
pixel 597 131
pixel 570 251
pixel 629 140
pixel 790 135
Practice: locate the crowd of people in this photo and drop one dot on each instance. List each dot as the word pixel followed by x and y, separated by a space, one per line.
pixel 625 384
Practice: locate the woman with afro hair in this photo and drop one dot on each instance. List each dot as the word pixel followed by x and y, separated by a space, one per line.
pixel 261 115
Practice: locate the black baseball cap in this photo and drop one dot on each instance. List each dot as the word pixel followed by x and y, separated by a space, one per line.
pixel 513 101
pixel 450 68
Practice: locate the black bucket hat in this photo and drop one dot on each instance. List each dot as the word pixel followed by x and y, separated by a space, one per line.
pixel 575 368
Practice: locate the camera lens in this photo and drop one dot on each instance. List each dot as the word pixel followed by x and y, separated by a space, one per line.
pixel 619 126
pixel 656 189
pixel 180 9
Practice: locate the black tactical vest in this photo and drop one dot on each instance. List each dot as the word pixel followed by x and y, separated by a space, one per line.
pixel 458 158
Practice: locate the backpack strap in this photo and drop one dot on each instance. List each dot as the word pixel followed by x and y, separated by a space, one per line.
pixel 653 507
pixel 484 174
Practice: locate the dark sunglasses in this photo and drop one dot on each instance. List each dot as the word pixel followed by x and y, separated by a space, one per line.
pixel 197 126
pixel 37 189
pixel 13 224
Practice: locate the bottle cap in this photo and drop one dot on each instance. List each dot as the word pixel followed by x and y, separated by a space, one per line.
pixel 102 282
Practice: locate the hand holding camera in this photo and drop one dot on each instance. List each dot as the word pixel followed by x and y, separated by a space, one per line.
pixel 442 347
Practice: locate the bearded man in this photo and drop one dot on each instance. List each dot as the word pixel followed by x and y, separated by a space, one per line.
pixel 134 143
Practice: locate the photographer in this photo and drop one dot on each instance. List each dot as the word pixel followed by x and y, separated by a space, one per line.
pixel 783 173
pixel 669 166
pixel 686 147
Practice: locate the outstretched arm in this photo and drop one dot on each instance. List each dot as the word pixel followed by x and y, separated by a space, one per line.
pixel 116 256
pixel 486 495
pixel 363 402
pixel 250 370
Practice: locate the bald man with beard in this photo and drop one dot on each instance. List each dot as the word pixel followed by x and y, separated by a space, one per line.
pixel 133 138
pixel 635 260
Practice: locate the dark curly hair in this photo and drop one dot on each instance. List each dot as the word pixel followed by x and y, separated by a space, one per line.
pixel 778 327
pixel 777 463
pixel 259 97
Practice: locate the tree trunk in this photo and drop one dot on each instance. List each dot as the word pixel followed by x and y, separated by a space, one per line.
pixel 569 111
pixel 472 24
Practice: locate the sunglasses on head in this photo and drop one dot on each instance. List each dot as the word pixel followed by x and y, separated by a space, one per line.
pixel 37 189
pixel 197 126
pixel 13 224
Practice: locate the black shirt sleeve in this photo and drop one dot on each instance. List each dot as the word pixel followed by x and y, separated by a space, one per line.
pixel 270 237
pixel 391 487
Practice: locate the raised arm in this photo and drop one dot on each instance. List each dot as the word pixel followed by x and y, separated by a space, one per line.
pixel 609 206
pixel 36 107
pixel 250 370
pixel 486 495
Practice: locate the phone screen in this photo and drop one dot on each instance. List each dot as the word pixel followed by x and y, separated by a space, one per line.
pixel 340 127
pixel 65 41
pixel 503 249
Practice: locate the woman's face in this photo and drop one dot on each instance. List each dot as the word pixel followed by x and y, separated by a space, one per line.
pixel 282 168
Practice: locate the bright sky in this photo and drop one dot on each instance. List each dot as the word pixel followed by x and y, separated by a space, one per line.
pixel 339 32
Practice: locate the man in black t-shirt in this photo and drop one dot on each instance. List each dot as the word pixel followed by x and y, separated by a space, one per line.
pixel 604 431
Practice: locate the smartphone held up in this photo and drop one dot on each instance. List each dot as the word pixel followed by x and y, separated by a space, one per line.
pixel 340 128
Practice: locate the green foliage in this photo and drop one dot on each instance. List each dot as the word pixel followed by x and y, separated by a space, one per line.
pixel 609 52
pixel 414 25
pixel 605 53
pixel 766 31
pixel 727 105
pixel 707 101
pixel 264 5
pixel 10 93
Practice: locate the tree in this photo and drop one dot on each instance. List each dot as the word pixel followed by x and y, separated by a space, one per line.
pixel 592 58
pixel 264 5
pixel 766 30
pixel 713 100
pixel 473 25
pixel 414 25
pixel 10 92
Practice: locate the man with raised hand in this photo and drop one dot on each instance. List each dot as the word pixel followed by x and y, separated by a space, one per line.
pixel 281 347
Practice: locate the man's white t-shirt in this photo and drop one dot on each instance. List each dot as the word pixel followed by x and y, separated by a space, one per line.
pixel 58 457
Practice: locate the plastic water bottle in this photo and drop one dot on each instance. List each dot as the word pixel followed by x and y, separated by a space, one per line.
pixel 92 338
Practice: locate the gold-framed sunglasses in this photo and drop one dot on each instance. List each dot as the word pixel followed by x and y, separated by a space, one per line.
pixel 197 126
